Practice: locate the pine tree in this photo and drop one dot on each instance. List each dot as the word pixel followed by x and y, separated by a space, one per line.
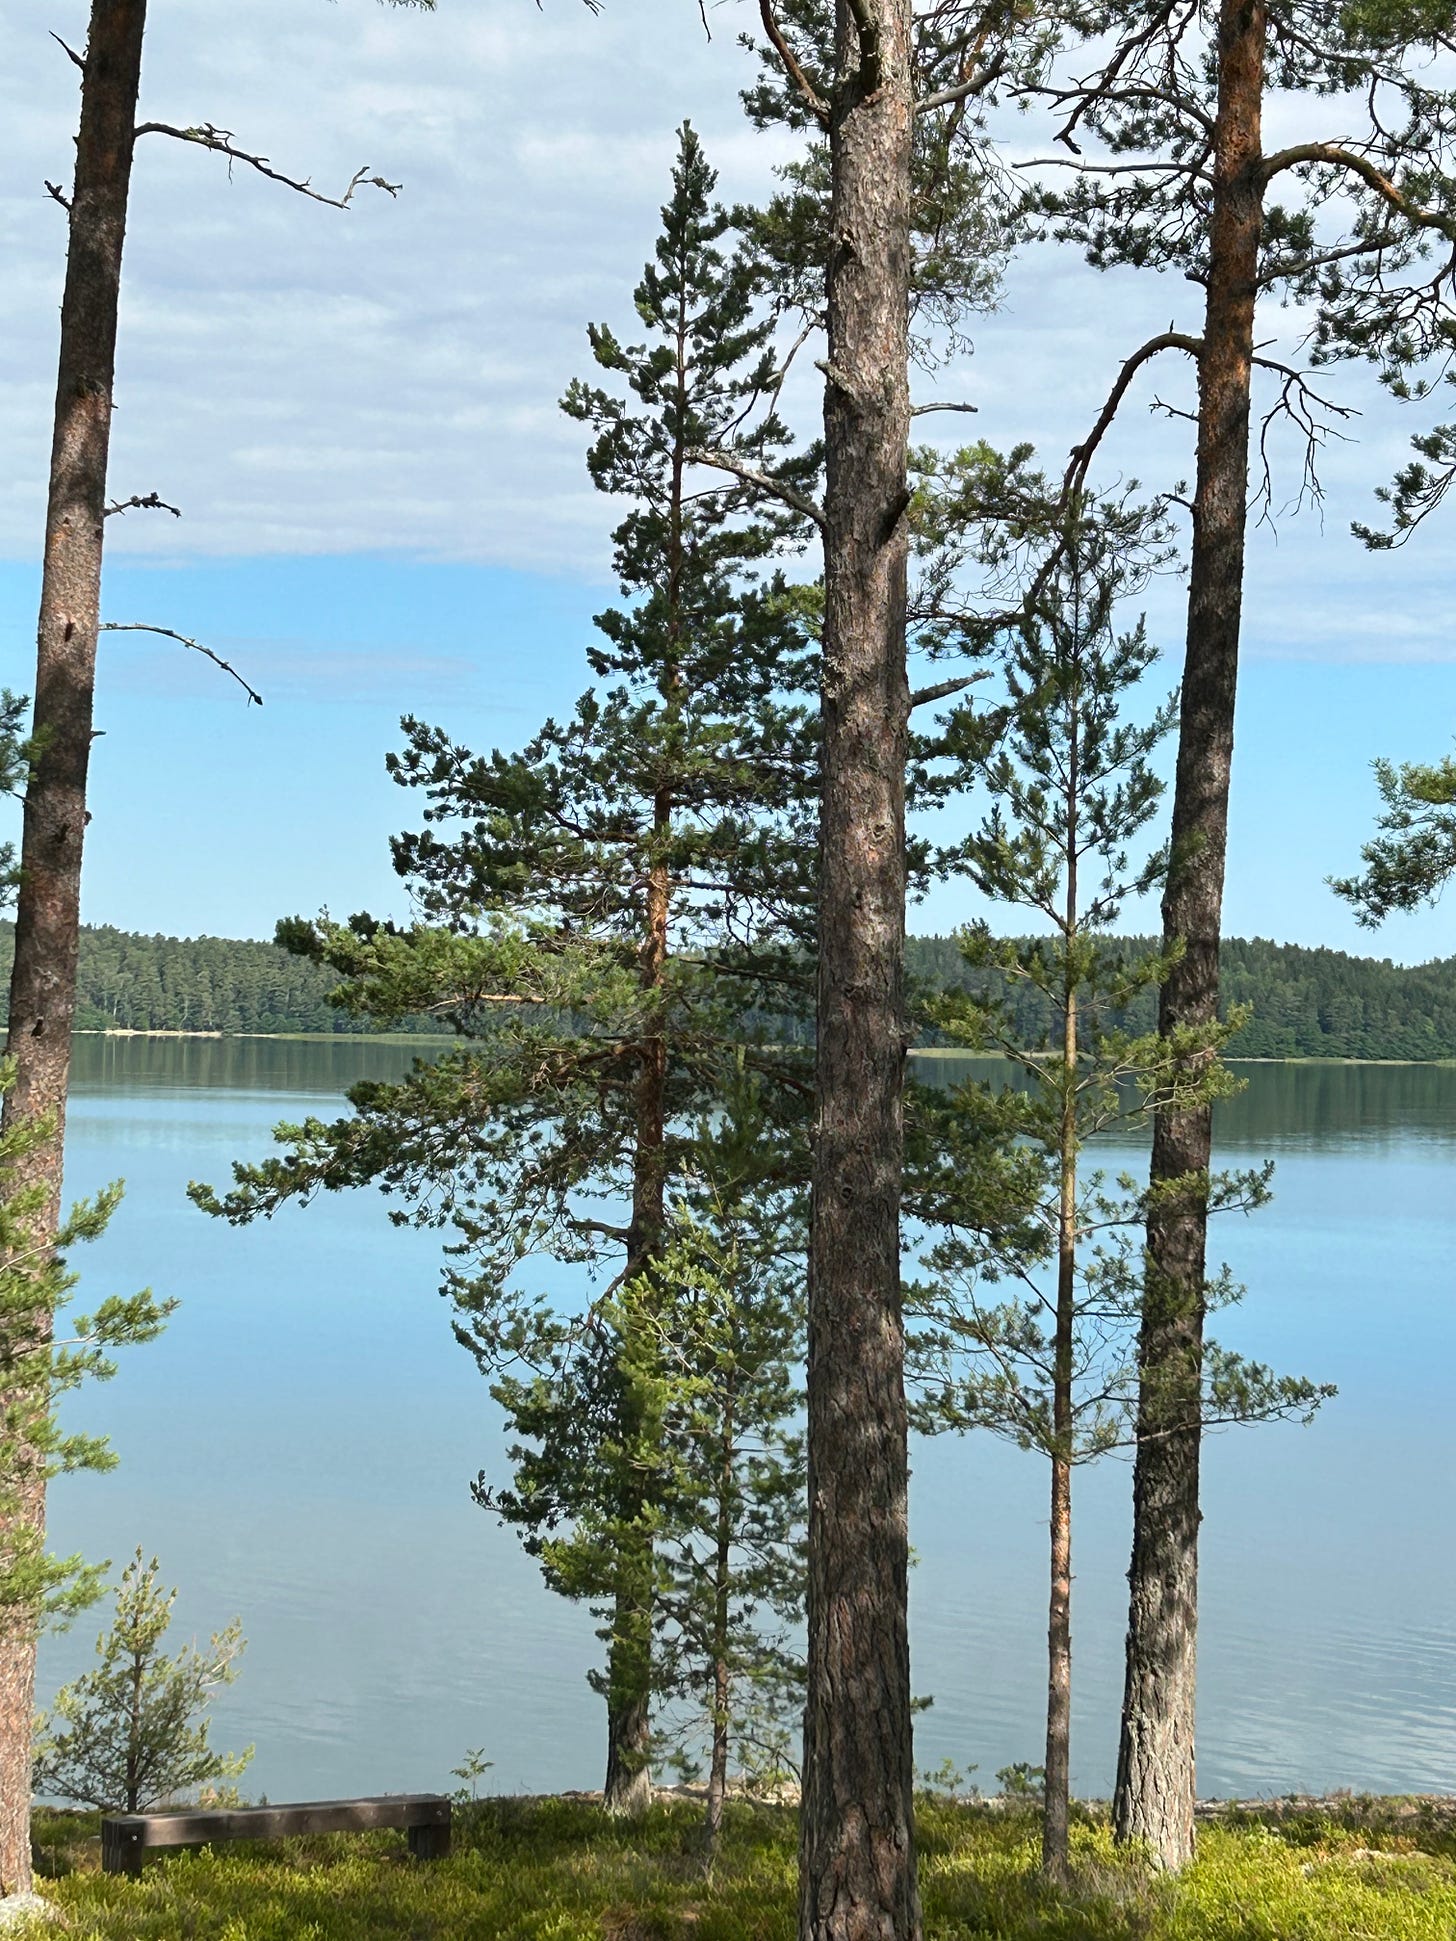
pixel 1069 777
pixel 1182 179
pixel 892 229
pixel 42 1008
pixel 614 919
pixel 730 1542
pixel 132 1733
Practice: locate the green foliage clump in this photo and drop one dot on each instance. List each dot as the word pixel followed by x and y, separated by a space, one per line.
pixel 40 1365
pixel 1414 857
pixel 132 1734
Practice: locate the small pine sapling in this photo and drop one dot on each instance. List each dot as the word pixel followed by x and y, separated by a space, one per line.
pixel 730 1540
pixel 132 1734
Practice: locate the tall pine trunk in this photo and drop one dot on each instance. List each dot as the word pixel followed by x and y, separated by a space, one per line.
pixel 857 1852
pixel 1155 1769
pixel 628 1786
pixel 48 907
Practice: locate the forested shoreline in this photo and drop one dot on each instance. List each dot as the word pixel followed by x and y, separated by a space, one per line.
pixel 1306 1003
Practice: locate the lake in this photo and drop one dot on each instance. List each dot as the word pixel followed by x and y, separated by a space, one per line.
pixel 297 1449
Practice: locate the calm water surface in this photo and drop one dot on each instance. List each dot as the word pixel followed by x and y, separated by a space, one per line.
pixel 297 1449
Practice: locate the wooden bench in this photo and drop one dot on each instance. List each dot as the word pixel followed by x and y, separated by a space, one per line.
pixel 126 1837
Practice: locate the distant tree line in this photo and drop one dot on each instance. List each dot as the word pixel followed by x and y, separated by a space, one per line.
pixel 130 982
pixel 1306 1003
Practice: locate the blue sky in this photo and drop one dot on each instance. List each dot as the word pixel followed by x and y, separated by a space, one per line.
pixel 385 512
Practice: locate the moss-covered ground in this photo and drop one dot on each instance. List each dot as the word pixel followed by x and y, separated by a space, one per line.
pixel 556 1870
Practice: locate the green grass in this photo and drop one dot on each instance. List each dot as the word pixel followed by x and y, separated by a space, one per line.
pixel 556 1870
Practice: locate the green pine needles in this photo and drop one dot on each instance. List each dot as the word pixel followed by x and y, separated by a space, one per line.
pixel 1414 857
pixel 132 1734
pixel 1038 1342
pixel 47 1352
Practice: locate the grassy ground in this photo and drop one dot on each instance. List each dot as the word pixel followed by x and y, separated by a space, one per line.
pixel 555 1870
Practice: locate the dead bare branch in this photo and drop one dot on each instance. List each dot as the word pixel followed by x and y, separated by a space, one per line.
pixel 1112 168
pixel 924 410
pixel 1081 456
pixel 169 633
pixel 942 690
pixel 57 194
pixel 1302 405
pixel 70 53
pixel 967 89
pixel 143 502
pixel 867 30
pixel 222 141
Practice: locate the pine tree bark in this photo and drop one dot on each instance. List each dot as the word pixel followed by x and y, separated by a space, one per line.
pixel 628 1786
pixel 857 1853
pixel 627 1789
pixel 47 916
pixel 1155 1793
pixel 1057 1768
pixel 722 1671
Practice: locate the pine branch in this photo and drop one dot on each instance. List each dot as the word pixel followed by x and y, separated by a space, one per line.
pixel 809 94
pixel 1329 155
pixel 725 462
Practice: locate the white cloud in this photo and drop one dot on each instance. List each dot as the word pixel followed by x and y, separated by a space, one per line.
pixel 301 380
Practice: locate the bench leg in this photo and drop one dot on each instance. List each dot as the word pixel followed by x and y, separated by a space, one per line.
pixel 119 1855
pixel 430 1842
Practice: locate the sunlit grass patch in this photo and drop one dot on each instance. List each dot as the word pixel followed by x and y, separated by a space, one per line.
pixel 558 1870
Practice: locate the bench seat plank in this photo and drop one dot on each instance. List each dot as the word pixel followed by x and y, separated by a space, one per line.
pixel 426 1816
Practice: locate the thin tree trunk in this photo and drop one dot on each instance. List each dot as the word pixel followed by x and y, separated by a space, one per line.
pixel 628 1788
pixel 47 916
pixel 722 1672
pixel 1155 1772
pixel 857 1851
pixel 1056 1834
pixel 1056 1777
